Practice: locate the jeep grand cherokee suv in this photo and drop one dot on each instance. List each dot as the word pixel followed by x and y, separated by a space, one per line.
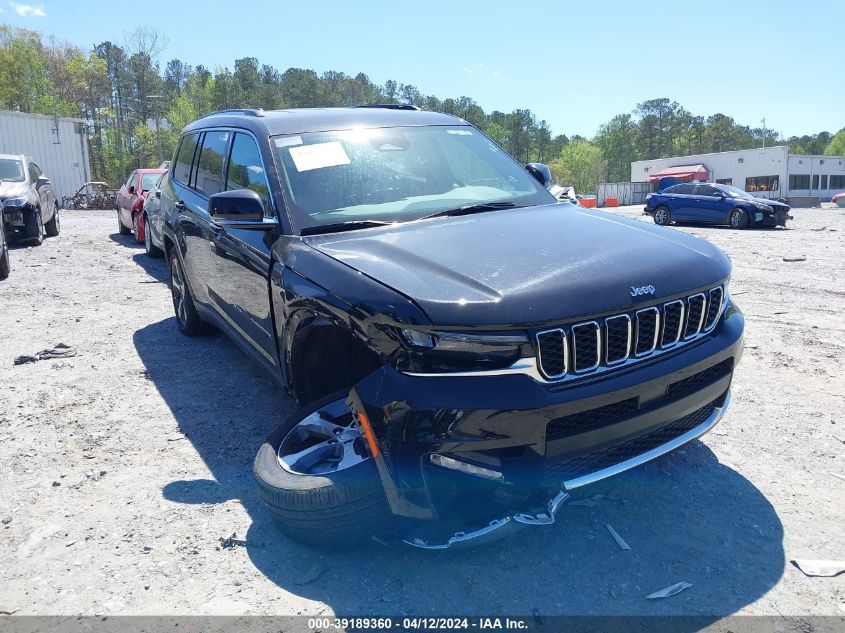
pixel 465 351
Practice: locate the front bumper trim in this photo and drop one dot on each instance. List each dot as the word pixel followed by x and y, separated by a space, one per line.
pixel 498 528
pixel 654 453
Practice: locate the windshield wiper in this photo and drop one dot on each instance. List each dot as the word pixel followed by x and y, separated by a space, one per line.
pixel 471 208
pixel 352 225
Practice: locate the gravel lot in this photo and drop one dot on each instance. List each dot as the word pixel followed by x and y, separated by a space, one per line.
pixel 122 467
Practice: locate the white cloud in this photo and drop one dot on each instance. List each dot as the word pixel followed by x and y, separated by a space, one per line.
pixel 28 10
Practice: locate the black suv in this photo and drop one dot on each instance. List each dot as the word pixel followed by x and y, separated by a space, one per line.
pixel 465 350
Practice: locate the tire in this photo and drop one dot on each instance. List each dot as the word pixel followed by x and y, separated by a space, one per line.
pixel 661 216
pixel 5 264
pixel 322 510
pixel 135 227
pixel 120 228
pixel 53 226
pixel 35 228
pixel 149 247
pixel 738 218
pixel 187 317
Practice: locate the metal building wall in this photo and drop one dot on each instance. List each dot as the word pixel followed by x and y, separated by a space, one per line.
pixel 59 146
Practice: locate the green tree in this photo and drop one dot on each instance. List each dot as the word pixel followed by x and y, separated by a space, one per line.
pixel 580 165
pixel 836 147
pixel 617 141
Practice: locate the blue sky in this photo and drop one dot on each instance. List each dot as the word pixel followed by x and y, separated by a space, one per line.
pixel 574 64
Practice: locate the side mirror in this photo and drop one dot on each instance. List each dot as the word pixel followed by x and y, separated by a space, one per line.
pixel 158 193
pixel 131 190
pixel 42 180
pixel 541 172
pixel 240 209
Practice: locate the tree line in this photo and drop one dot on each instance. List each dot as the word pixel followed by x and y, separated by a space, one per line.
pixel 121 90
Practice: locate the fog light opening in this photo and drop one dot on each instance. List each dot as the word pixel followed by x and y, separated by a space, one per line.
pixel 465 467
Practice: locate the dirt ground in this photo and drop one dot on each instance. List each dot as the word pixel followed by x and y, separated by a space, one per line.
pixel 122 467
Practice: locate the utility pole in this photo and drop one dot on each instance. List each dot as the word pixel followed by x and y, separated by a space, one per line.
pixel 764 132
pixel 155 100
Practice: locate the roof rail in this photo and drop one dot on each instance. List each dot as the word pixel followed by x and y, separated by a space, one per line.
pixel 247 111
pixel 389 106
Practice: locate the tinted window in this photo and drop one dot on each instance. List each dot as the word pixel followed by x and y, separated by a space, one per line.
pixel 707 190
pixel 245 169
pixel 686 190
pixel 799 181
pixel 182 169
pixel 837 182
pixel 34 172
pixel 762 183
pixel 209 177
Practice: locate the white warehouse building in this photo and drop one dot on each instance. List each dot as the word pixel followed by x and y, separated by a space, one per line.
pixel 770 172
pixel 59 145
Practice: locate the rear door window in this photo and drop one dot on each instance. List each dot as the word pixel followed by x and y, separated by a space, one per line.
pixel 185 158
pixel 685 190
pixel 209 173
pixel 246 170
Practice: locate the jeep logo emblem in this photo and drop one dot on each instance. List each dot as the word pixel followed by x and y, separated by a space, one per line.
pixel 642 290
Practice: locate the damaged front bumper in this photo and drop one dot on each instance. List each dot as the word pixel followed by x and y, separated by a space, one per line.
pixel 515 447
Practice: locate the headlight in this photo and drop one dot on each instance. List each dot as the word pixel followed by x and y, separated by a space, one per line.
pixel 763 207
pixel 14 202
pixel 437 352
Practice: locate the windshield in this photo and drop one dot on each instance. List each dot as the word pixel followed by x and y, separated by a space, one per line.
pixel 11 170
pixel 148 180
pixel 733 192
pixel 398 174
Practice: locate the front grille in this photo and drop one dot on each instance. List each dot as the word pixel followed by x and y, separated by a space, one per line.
pixel 571 467
pixel 695 315
pixel 705 377
pixel 577 422
pixel 552 350
pixel 618 339
pixel 586 346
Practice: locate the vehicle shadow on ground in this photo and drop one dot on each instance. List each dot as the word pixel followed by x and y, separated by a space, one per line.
pixel 155 267
pixel 686 518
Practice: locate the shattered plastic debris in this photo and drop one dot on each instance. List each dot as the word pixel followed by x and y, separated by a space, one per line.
pixel 795 259
pixel 824 568
pixel 227 543
pixel 669 591
pixel 59 351
pixel 619 540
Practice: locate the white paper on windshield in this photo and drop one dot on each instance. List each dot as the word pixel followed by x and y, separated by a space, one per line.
pixel 318 156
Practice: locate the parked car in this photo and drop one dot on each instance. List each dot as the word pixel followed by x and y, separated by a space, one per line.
pixel 151 221
pixel 712 203
pixel 130 201
pixel 5 265
pixel 30 208
pixel 465 355
pixel 839 199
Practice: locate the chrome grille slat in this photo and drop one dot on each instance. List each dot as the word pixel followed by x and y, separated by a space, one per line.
pixel 570 352
pixel 586 337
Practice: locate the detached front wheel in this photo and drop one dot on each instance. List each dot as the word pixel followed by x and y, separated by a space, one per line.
pixel 317 478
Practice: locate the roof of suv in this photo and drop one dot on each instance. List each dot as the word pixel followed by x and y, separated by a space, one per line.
pixel 295 121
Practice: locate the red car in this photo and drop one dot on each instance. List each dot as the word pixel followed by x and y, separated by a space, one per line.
pixel 130 201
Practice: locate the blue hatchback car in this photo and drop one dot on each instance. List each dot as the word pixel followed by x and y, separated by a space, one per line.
pixel 712 203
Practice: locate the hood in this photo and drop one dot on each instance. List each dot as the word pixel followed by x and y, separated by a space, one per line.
pixel 529 265
pixel 770 202
pixel 12 189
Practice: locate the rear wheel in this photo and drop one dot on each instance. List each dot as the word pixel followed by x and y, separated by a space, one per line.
pixel 136 229
pixel 738 219
pixel 149 247
pixel 187 317
pixel 317 478
pixel 120 228
pixel 52 227
pixel 661 216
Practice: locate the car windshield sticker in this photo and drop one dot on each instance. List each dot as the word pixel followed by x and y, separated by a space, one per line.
pixel 287 141
pixel 318 156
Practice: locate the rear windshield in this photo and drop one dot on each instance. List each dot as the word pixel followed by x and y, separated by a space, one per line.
pixel 398 174
pixel 11 170
pixel 148 180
